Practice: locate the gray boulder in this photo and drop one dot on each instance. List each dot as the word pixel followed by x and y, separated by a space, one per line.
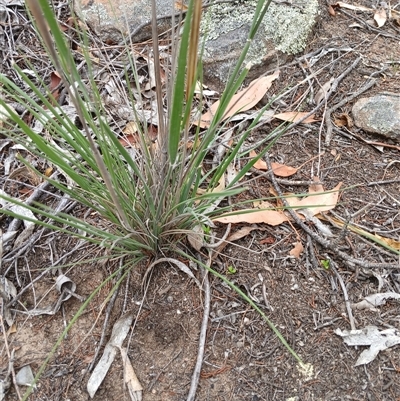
pixel 225 28
pixel 379 114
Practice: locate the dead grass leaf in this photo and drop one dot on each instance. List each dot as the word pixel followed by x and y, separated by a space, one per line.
pixel 242 101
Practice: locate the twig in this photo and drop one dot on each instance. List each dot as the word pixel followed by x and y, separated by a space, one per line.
pixel 106 319
pixel 328 121
pixel 222 240
pixel 203 332
pixel 327 323
pixel 14 225
pixel 264 294
pixel 162 370
pixel 10 359
pixel 346 296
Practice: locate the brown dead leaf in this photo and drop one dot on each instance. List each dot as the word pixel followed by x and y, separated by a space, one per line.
pixel 131 128
pixel 128 140
pixel 179 5
pixel 241 233
pixel 12 329
pixel 295 116
pixel 318 201
pixel 237 235
pixel 331 10
pixel 268 241
pixel 271 217
pixel 55 81
pixel 279 170
pixel 242 101
pixel 380 17
pixel 297 250
pixel 343 120
pixel 196 237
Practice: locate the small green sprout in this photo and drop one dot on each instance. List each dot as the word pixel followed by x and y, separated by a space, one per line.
pixel 325 264
pixel 231 270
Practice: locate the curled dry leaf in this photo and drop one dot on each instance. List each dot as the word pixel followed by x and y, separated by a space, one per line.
pixel 343 120
pixel 135 389
pixel 118 335
pixel 373 300
pixel 196 237
pixel 380 17
pixel 242 101
pixel 279 170
pixel 297 250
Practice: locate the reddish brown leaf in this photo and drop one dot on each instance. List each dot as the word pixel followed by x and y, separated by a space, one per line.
pixel 268 241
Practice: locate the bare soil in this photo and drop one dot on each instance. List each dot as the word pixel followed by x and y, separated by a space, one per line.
pixel 243 359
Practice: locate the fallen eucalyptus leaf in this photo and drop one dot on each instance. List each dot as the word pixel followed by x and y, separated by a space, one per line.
pixel 132 383
pixel 119 332
pixel 373 300
pixel 370 335
pixel 242 101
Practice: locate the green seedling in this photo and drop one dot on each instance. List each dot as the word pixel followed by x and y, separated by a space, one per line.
pixel 231 270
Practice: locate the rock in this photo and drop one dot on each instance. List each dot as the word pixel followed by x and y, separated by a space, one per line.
pixel 225 28
pixel 114 20
pixel 379 114
pixel 284 30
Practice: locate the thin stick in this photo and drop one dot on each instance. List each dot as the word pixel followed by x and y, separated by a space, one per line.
pixel 10 359
pixel 203 333
pixel 162 370
pixel 346 296
pixel 105 323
